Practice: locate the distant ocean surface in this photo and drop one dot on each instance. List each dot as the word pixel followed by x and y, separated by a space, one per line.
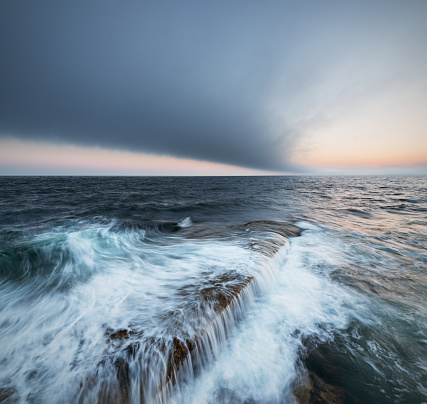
pixel 191 290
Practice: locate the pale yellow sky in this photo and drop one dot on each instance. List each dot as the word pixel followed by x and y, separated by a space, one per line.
pixel 383 130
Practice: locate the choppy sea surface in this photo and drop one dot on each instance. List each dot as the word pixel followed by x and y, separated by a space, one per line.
pixel 201 289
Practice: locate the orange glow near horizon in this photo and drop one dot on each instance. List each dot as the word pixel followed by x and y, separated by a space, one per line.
pixel 19 157
pixel 29 157
pixel 360 156
pixel 369 136
pixel 363 162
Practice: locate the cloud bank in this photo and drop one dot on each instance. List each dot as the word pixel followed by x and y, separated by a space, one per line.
pixel 238 82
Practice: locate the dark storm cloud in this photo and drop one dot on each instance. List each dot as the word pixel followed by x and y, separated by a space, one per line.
pixel 208 80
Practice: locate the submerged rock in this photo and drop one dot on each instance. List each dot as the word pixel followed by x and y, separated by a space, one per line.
pixel 8 395
pixel 272 236
pixel 220 293
pixel 118 335
pixel 314 387
pixel 177 355
pixel 123 377
pixel 217 302
pixel 316 391
pixel 221 290
pixel 284 229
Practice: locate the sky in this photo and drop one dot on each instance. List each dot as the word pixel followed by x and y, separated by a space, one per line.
pixel 213 87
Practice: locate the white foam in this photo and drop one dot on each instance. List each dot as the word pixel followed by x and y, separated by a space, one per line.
pixel 185 222
pixel 116 279
pixel 102 279
pixel 260 360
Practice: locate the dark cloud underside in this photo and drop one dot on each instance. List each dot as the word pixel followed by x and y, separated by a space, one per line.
pixel 206 80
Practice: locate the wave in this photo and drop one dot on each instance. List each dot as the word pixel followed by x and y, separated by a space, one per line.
pixel 96 305
pixel 121 311
pixel 185 222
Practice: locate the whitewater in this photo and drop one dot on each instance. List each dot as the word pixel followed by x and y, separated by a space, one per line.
pixel 213 289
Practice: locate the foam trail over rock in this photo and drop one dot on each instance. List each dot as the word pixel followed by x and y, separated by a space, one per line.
pixel 123 313
pixel 260 361
pixel 153 369
pixel 104 297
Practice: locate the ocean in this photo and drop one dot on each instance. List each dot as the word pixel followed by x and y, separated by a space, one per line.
pixel 192 290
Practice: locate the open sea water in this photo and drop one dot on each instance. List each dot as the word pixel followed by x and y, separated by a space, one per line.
pixel 106 281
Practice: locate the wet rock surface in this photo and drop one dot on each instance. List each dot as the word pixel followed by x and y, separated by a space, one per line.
pixel 220 297
pixel 284 229
pixel 8 395
pixel 263 236
pixel 177 355
pixel 317 391
pixel 121 334
pixel 318 385
pixel 123 377
pixel 215 294
pixel 222 290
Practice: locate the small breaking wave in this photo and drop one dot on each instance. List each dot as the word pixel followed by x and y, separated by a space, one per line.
pixel 187 222
pixel 93 302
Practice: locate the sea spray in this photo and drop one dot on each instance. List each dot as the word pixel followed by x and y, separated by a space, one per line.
pixel 97 275
pixel 260 361
pixel 175 359
pixel 109 300
pixel 209 345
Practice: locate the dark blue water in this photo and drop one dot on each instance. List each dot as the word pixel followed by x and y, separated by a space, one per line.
pixel 83 257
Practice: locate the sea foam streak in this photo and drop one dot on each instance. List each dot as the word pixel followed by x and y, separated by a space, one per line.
pixel 260 361
pixel 107 295
pixel 60 321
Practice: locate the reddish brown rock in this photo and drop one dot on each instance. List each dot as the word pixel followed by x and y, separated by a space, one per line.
pixel 177 355
pixel 219 293
pixel 122 367
pixel 120 335
pixel 319 392
pixel 8 395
